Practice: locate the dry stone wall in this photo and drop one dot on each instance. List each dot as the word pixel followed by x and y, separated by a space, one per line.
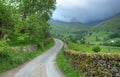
pixel 95 64
pixel 25 48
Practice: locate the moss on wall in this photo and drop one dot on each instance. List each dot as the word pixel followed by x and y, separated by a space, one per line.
pixel 95 65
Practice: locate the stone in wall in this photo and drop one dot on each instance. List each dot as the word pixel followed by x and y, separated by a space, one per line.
pixel 25 48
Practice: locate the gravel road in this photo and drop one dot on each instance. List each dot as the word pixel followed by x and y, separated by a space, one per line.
pixel 42 66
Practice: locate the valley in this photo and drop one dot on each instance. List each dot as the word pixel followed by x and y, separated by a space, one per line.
pixel 90 50
pixel 105 35
pixel 59 38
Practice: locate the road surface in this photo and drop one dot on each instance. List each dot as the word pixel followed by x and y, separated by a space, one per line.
pixel 42 66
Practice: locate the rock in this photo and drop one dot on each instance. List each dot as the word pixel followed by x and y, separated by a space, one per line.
pixel 117 74
pixel 114 69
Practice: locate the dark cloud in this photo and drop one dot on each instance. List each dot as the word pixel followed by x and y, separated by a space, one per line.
pixel 85 10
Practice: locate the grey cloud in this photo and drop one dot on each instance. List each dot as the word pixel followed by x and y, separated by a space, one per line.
pixel 85 10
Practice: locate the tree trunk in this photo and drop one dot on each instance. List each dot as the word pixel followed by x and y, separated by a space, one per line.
pixel 2 31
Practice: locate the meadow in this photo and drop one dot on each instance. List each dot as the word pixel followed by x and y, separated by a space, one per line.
pixel 88 48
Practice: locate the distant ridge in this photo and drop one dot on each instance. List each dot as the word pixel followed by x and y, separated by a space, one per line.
pixel 93 23
pixel 65 27
pixel 52 20
pixel 109 25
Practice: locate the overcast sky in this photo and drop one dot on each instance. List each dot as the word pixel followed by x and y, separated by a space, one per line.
pixel 85 10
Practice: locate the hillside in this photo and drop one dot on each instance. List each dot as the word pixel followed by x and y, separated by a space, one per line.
pixel 110 25
pixel 58 27
pixel 107 30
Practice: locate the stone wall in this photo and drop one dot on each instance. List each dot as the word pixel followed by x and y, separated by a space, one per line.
pixel 25 48
pixel 95 64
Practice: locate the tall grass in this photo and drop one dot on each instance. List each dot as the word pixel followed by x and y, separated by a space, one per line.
pixel 65 66
pixel 11 59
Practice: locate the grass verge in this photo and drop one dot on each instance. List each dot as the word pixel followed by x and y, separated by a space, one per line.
pixel 66 67
pixel 12 59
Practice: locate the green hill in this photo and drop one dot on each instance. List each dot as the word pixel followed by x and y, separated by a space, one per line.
pixel 112 25
pixel 64 28
pixel 107 30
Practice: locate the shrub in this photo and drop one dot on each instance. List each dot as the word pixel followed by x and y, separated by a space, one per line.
pixel 5 53
pixel 117 43
pixel 96 49
pixel 115 35
pixel 83 41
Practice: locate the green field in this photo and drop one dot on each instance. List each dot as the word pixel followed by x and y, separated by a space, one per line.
pixel 88 48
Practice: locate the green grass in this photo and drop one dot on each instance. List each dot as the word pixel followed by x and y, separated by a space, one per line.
pixel 65 66
pixel 112 24
pixel 100 35
pixel 78 47
pixel 86 48
pixel 11 60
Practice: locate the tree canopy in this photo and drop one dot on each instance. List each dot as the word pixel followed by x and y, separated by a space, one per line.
pixel 25 20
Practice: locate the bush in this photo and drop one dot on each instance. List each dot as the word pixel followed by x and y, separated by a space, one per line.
pixel 4 50
pixel 82 41
pixel 115 35
pixel 9 60
pixel 117 43
pixel 96 49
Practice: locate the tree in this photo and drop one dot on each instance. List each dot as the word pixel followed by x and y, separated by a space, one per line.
pixel 117 43
pixel 82 41
pixel 36 13
pixel 26 20
pixel 114 35
pixel 43 8
pixel 96 49
pixel 6 22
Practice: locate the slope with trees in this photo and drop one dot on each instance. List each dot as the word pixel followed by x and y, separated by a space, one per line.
pixel 23 22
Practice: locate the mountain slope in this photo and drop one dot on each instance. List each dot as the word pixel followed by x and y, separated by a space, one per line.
pixel 107 30
pixel 64 27
pixel 109 25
